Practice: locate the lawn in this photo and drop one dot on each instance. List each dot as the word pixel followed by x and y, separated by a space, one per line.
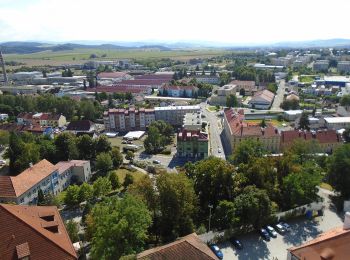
pixel 213 109
pixel 306 79
pixel 326 186
pixel 122 172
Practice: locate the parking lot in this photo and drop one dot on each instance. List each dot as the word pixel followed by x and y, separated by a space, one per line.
pixel 302 230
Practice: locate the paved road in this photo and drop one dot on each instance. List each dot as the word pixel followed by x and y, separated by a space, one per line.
pixel 302 231
pixel 279 95
pixel 215 129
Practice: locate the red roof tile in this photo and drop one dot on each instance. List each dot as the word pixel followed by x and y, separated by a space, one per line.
pixel 24 233
pixel 323 136
pixel 189 247
pixel 112 75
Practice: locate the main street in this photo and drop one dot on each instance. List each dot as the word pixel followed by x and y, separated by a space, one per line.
pixel 215 129
pixel 279 95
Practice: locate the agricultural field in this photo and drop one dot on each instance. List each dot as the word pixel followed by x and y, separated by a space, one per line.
pixel 78 56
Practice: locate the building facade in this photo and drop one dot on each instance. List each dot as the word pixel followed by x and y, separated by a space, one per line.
pixel 343 66
pixel 321 65
pixel 174 115
pixel 42 119
pixel 237 130
pixel 192 144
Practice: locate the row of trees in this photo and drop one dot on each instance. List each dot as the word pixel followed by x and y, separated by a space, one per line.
pixel 159 135
pixel 87 109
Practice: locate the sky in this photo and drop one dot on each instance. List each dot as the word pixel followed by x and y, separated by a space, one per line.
pixel 222 21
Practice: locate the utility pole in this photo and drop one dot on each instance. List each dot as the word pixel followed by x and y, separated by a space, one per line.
pixel 210 207
pixel 2 62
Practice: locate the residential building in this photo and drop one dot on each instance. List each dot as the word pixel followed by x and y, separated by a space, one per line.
pixel 178 91
pixel 189 247
pixel 128 119
pixel 33 232
pixel 192 144
pixel 23 188
pixel 78 171
pixel 282 61
pixel 248 85
pixel 237 130
pixel 343 66
pixel 42 119
pixel 321 65
pixel 113 76
pixel 222 93
pixel 328 140
pixel 174 115
pixel 337 123
pixel 267 67
pixel 262 99
pixel 25 76
pixel 291 115
pixel 192 121
pixel 330 245
pixel 81 126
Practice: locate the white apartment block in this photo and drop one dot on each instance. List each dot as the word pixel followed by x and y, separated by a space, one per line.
pixel 343 66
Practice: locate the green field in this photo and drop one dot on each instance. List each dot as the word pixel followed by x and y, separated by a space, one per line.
pixel 78 55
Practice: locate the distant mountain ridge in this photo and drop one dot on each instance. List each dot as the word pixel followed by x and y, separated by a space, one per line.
pixel 33 47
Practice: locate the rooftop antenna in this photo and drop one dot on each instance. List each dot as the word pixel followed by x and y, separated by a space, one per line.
pixel 2 62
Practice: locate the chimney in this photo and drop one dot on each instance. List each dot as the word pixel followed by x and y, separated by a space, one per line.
pixel 346 225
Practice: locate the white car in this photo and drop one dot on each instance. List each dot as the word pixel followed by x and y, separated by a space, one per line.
pixel 2 162
pixel 219 150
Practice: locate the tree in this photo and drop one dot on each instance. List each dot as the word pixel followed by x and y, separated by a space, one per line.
pixel 224 215
pixel 4 137
pixel 242 92
pixel 346 135
pixel 345 100
pixel 104 163
pixel 252 208
pixel 159 134
pixel 231 101
pixel 130 155
pixel 263 123
pixel 51 200
pixel 102 186
pixel 129 179
pixel 213 181
pixel 304 122
pixel 247 150
pixel 72 229
pixel 118 227
pixel 41 198
pixel 117 157
pixel 72 196
pixel 86 147
pixel 66 148
pixel 113 178
pixel 338 170
pixel 103 145
pixel 85 192
pixel 47 150
pixel 178 204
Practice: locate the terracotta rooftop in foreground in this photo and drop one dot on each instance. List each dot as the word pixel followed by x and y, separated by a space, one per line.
pixel 189 247
pixel 33 231
pixel 331 245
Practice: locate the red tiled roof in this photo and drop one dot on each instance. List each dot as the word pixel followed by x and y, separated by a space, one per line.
pixel 243 83
pixel 238 127
pixel 189 247
pixel 186 134
pixel 179 87
pixel 120 89
pixel 17 185
pixel 325 136
pixel 25 233
pixel 333 244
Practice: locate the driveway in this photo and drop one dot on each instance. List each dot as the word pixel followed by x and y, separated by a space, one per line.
pixel 302 230
pixel 279 95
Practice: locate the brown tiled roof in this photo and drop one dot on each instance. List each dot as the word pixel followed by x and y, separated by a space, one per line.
pixel 65 165
pixel 249 83
pixel 189 247
pixel 333 244
pixel 263 94
pixel 25 233
pixel 323 136
pixel 179 87
pixel 80 125
pixel 25 180
pixel 120 89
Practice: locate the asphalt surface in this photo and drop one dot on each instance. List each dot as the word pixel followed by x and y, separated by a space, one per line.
pixel 279 95
pixel 302 230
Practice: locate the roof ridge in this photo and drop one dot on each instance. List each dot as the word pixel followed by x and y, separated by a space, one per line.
pixel 40 233
pixel 191 244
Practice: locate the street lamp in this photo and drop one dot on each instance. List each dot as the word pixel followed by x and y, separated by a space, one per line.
pixel 210 207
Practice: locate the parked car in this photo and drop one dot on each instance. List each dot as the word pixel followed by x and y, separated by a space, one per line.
pixel 236 243
pixel 264 234
pixel 286 226
pixel 280 228
pixel 2 162
pixel 219 150
pixel 129 142
pixel 272 231
pixel 217 251
pixel 156 161
pixel 124 142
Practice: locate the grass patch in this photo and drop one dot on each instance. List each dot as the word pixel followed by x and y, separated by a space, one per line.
pixel 326 186
pixel 213 109
pixel 122 172
pixel 306 79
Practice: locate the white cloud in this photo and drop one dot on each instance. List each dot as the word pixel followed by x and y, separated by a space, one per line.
pixel 174 20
